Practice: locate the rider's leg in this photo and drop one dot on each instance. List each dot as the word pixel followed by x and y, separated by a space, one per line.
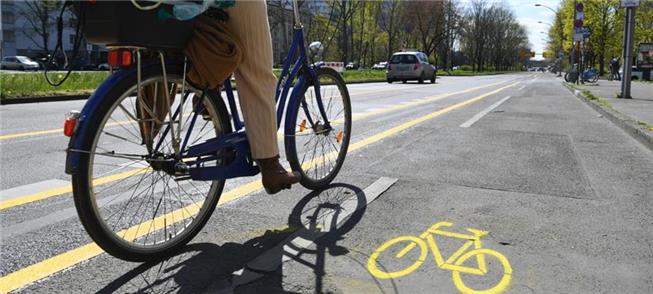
pixel 256 88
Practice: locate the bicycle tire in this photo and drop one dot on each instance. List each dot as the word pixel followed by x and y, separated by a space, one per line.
pixel 311 178
pixel 88 198
pixel 595 78
pixel 377 272
pixel 500 286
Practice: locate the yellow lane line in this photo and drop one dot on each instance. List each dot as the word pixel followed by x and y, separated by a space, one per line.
pixel 377 137
pixel 70 258
pixel 45 268
pixel 66 189
pixel 51 131
pixel 423 100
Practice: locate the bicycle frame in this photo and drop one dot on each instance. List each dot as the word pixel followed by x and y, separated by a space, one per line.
pixel 300 73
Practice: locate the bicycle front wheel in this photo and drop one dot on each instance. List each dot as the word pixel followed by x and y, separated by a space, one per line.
pixel 316 146
pixel 130 196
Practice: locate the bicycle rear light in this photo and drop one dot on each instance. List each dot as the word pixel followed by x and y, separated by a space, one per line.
pixel 119 58
pixel 70 123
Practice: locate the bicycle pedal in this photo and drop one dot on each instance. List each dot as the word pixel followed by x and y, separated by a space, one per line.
pixel 182 178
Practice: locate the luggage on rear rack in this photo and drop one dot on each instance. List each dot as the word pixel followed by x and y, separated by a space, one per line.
pixel 120 23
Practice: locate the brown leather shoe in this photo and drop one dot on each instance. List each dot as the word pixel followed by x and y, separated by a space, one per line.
pixel 275 177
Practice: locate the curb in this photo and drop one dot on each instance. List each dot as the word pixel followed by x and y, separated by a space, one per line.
pixel 624 122
pixel 21 100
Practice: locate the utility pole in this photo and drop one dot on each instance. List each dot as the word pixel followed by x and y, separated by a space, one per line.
pixel 578 24
pixel 629 27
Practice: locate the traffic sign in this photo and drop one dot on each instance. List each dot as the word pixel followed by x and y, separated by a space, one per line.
pixel 578 37
pixel 578 23
pixel 585 31
pixel 629 3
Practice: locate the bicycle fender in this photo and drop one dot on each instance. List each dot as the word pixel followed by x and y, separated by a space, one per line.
pixel 289 125
pixel 92 104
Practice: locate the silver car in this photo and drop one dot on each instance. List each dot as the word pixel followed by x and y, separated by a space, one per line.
pixel 411 65
pixel 19 62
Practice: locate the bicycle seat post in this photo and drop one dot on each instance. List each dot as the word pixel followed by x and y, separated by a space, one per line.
pixel 298 22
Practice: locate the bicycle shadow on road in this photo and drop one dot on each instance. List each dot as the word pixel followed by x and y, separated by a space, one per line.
pixel 315 225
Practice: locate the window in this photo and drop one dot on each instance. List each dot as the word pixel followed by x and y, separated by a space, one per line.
pixel 403 58
pixel 8 36
pixel 422 57
pixel 7 17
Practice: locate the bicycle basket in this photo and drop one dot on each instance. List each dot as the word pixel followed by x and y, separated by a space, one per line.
pixel 120 23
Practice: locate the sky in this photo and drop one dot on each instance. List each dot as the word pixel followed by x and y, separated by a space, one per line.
pixel 529 15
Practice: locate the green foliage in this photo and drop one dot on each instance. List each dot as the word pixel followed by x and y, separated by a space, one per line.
pixel 605 18
pixel 34 84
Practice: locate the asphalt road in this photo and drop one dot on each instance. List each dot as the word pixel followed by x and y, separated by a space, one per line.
pixel 557 199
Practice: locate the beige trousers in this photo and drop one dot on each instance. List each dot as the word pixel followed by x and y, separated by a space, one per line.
pixel 254 77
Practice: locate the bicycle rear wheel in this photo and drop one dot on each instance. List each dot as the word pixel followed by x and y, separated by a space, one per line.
pixel 315 149
pixel 129 199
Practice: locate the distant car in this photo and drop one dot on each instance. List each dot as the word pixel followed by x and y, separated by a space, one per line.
pixel 103 66
pixel 352 65
pixel 19 62
pixel 410 65
pixel 380 65
pixel 636 73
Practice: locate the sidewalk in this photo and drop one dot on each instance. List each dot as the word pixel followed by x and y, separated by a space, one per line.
pixel 632 115
pixel 639 108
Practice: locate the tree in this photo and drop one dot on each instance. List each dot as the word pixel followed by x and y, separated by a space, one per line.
pixel 41 16
pixel 427 19
pixel 391 17
pixel 601 17
pixel 491 36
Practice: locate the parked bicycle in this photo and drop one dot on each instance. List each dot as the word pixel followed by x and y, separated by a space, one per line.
pixel 142 202
pixel 590 75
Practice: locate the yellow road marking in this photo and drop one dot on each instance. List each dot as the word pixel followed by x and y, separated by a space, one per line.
pixel 423 100
pixel 51 131
pixel 455 263
pixel 70 258
pixel 45 268
pixel 66 189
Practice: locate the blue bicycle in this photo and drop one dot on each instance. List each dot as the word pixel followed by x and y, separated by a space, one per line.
pixel 147 178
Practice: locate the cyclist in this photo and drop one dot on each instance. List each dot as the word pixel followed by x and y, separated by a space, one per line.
pixel 614 68
pixel 256 89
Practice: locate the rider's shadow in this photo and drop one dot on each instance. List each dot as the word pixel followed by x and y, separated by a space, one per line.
pixel 316 224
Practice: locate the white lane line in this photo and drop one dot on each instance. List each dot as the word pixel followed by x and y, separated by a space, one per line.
pixel 292 247
pixel 479 115
pixel 29 189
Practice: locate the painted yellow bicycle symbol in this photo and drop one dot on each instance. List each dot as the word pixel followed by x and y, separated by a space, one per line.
pixel 454 263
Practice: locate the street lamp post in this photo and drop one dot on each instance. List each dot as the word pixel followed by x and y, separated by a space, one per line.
pixel 560 34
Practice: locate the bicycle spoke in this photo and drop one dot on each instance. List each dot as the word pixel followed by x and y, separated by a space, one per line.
pixel 148 206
